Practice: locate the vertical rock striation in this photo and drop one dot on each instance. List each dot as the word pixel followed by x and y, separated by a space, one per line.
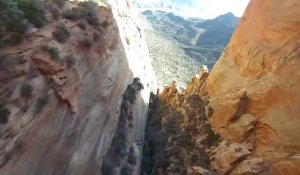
pixel 61 91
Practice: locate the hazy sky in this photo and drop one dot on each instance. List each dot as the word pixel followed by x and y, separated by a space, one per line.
pixel 202 8
pixel 213 8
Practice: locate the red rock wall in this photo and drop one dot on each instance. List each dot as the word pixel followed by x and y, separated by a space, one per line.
pixel 66 123
pixel 254 87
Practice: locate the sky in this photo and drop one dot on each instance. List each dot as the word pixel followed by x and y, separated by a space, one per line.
pixel 206 9
pixel 213 8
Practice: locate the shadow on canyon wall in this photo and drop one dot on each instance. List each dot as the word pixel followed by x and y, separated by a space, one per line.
pixel 177 138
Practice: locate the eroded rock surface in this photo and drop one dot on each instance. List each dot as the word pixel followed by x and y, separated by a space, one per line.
pixel 61 91
pixel 254 87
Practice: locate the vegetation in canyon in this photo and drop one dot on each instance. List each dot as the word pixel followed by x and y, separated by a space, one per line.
pixel 179 137
pixel 120 158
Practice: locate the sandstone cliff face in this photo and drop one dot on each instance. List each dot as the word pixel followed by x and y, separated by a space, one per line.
pixel 60 102
pixel 253 90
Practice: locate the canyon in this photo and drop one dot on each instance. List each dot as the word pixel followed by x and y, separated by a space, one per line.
pixel 79 96
pixel 179 45
pixel 61 96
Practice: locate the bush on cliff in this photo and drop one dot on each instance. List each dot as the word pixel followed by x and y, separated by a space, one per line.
pixel 81 25
pixel 85 10
pixel 41 103
pixel 86 42
pixel 4 113
pixel 53 52
pixel 6 62
pixel 70 61
pixel 61 33
pixel 16 16
pixel 26 90
pixel 59 3
pixel 33 11
pixel 53 9
pixel 132 90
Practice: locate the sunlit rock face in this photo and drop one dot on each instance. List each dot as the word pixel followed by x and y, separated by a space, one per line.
pixel 254 87
pixel 61 102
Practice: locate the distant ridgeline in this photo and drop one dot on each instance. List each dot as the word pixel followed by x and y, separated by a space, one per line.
pixel 168 4
pixel 202 40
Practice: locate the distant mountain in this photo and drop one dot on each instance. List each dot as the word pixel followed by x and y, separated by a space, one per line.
pixel 218 31
pixel 178 27
pixel 202 40
pixel 167 4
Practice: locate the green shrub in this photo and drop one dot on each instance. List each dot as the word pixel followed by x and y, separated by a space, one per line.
pixel 33 10
pixel 86 42
pixel 132 90
pixel 6 62
pixel 92 18
pixel 89 12
pixel 11 17
pixel 97 36
pixel 15 38
pixel 81 25
pixel 55 12
pixel 15 18
pixel 85 10
pixel 11 21
pixel 210 112
pixel 59 3
pixel 11 39
pixel 105 24
pixel 54 54
pixel 70 60
pixel 129 95
pixel 61 33
pixel 41 103
pixel 53 7
pixel 26 90
pixel 138 85
pixel 74 14
pixel 4 114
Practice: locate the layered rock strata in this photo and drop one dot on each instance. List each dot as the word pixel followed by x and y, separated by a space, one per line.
pixel 253 89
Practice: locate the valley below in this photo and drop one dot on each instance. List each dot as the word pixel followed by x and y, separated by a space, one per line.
pixel 169 60
pixel 180 46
